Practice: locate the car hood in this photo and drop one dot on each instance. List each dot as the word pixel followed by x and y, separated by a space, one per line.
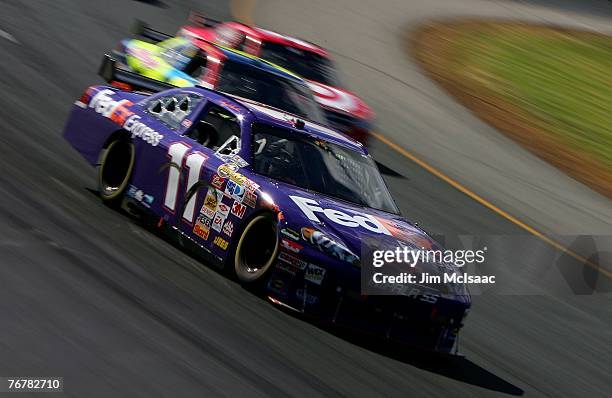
pixel 352 222
pixel 361 228
pixel 340 100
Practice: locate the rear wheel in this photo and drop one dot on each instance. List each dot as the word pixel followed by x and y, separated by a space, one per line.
pixel 257 248
pixel 115 170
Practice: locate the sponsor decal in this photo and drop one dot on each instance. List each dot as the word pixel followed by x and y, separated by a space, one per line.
pixel 219 196
pixel 202 227
pixel 121 112
pixel 118 112
pixel 238 178
pixel 138 195
pixel 227 170
pixel 218 182
pixel 239 161
pixel 251 185
pixel 250 199
pixel 228 228
pixel 223 209
pixel 278 286
pixel 234 190
pixel 289 259
pixel 229 187
pixel 208 213
pixel 224 157
pixel 217 222
pixel 306 298
pixel 294 40
pixel 222 243
pixel 231 106
pixel 290 233
pixel 142 131
pixel 335 98
pixel 186 123
pixel 290 264
pixel 238 192
pixel 278 283
pixel 310 208
pixel 314 274
pixel 238 209
pixel 288 268
pixel 104 104
pixel 210 201
pixel 291 245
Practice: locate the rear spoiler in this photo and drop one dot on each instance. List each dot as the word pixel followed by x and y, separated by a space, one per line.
pixel 112 74
pixel 141 28
pixel 198 19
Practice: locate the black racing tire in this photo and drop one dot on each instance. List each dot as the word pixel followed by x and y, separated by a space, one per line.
pixel 115 171
pixel 256 249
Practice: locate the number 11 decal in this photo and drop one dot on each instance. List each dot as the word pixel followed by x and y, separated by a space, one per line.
pixel 194 162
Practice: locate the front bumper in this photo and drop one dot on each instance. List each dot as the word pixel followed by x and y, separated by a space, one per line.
pixel 404 320
pixel 415 321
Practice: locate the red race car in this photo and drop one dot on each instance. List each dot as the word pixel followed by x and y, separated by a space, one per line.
pixel 344 110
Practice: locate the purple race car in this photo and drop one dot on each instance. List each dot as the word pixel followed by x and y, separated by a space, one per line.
pixel 279 201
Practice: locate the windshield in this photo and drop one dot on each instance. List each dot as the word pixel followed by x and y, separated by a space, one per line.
pixel 307 64
pixel 319 166
pixel 269 89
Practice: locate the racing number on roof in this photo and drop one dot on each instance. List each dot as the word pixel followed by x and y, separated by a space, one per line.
pixel 194 162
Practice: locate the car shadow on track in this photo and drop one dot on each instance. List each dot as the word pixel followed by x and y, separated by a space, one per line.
pixel 455 367
pixel 387 171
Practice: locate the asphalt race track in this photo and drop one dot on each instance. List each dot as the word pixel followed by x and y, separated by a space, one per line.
pixel 89 295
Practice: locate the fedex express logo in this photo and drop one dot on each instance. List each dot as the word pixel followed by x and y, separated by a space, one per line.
pixel 310 206
pixel 118 112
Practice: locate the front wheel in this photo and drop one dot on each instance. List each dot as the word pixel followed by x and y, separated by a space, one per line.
pixel 257 248
pixel 116 164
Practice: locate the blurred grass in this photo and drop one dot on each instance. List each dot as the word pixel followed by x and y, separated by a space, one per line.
pixel 548 88
pixel 563 79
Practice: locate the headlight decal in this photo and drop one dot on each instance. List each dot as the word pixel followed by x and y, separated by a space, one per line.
pixel 329 246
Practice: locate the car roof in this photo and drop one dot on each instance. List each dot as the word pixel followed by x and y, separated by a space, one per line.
pixel 267 114
pixel 242 58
